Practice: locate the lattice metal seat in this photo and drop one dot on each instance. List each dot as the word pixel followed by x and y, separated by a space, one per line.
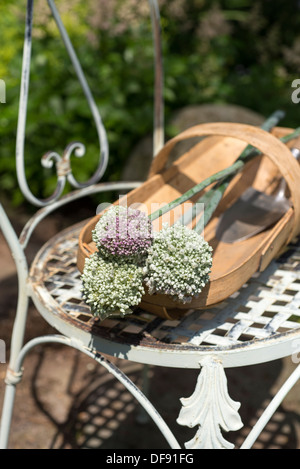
pixel 264 312
pixel 261 322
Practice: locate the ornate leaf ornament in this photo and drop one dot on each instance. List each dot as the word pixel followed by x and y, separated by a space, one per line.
pixel 210 407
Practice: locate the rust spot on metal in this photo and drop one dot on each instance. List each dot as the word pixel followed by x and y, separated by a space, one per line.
pixel 63 167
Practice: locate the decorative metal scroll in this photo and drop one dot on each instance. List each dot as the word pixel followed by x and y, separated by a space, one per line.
pixel 63 162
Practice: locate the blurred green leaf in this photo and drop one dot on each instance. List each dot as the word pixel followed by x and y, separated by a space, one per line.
pixel 246 52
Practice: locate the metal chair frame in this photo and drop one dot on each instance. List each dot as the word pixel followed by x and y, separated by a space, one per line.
pixel 201 350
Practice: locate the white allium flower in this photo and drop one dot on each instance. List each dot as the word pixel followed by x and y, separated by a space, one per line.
pixel 178 263
pixel 111 286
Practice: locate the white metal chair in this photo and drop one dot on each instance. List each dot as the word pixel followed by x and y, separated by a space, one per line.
pixel 258 324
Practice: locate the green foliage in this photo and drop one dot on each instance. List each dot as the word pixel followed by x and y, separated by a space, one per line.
pixel 215 51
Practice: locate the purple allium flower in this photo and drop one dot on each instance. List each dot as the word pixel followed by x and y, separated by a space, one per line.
pixel 123 232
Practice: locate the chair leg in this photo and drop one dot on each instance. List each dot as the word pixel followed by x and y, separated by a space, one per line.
pixel 9 398
pixel 271 409
pixel 14 374
pixel 117 373
pixel 142 416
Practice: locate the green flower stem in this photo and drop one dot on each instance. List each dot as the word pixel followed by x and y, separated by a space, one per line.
pixel 211 201
pixel 268 125
pixel 232 170
pixel 291 136
pixel 221 178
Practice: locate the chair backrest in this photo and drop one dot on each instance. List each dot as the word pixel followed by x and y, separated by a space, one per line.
pixel 62 162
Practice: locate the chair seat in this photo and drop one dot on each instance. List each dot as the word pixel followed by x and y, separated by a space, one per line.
pixel 262 318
